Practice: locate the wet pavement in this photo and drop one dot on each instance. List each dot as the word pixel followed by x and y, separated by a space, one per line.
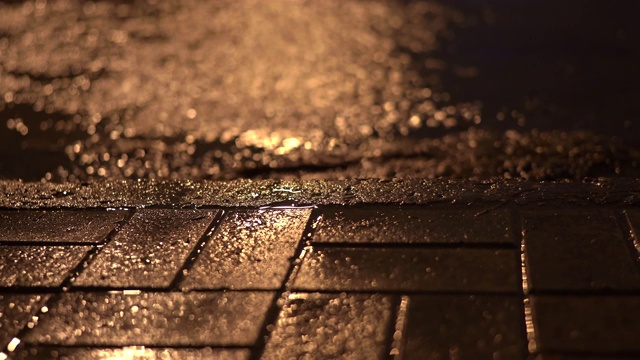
pixel 341 89
pixel 507 269
pixel 402 179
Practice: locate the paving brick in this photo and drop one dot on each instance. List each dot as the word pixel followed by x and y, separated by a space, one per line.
pixel 464 327
pixel 58 226
pixel 158 319
pixel 595 324
pixel 573 357
pixel 331 326
pixel 130 352
pixel 249 250
pixel 577 250
pixel 148 251
pixel 408 224
pixel 16 311
pixel 46 266
pixel 467 270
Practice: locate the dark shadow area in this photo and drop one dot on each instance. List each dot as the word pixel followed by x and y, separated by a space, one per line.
pixel 570 65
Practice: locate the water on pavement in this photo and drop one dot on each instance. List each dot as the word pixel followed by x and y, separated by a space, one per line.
pixel 332 89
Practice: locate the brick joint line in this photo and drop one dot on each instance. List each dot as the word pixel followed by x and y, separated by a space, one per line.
pixel 197 249
pixel 632 233
pixel 518 233
pixel 517 222
pixel 84 263
pixel 274 311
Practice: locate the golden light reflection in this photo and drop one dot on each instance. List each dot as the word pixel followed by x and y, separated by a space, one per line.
pixel 13 344
pixel 401 319
pixel 197 88
pixel 126 353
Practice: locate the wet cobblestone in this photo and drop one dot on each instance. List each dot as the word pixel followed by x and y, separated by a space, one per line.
pixel 397 224
pixel 58 226
pixel 149 250
pixel 356 269
pixel 249 250
pixel 337 281
pixel 331 326
pixel 464 327
pixel 16 311
pixel 600 324
pixel 564 253
pixel 153 319
pixel 32 266
pixel 131 352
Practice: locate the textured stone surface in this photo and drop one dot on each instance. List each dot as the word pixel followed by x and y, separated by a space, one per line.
pixel 43 265
pixel 599 324
pixel 249 250
pixel 464 270
pixel 331 326
pixel 407 224
pixel 574 357
pixel 160 319
pixel 464 327
pixel 457 287
pixel 182 193
pixel 577 250
pixel 149 251
pixel 130 352
pixel 58 226
pixel 15 312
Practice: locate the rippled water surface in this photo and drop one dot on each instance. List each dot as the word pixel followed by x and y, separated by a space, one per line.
pixel 228 89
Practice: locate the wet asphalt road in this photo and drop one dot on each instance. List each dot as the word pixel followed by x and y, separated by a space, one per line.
pixel 221 90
